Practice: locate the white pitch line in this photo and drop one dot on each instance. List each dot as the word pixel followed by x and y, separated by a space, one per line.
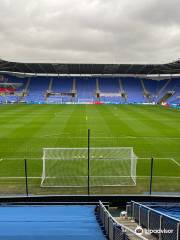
pixel 120 137
pixel 20 158
pixel 178 164
pixel 158 177
pixel 20 177
pixel 91 177
pixel 167 158
pixel 159 158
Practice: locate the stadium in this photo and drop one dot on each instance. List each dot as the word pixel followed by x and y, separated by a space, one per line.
pixel 89 120
pixel 92 130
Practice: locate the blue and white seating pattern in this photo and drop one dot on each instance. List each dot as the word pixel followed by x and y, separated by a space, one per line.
pixel 85 88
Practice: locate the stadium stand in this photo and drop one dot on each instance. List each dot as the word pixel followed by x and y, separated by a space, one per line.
pixel 11 92
pixel 36 90
pixel 174 86
pixel 58 86
pixel 86 89
pixel 43 89
pixel 134 90
pixel 109 93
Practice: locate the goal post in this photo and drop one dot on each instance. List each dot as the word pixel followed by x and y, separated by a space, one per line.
pixel 108 166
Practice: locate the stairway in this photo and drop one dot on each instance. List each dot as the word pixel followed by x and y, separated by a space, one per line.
pixel 164 87
pixel 145 92
pixel 123 93
pixel 97 88
pixel 50 85
pixel 131 224
pixel 166 96
pixel 24 92
pixel 27 85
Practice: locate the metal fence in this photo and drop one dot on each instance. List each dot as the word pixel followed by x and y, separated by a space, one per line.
pixel 112 229
pixel 108 179
pixel 157 223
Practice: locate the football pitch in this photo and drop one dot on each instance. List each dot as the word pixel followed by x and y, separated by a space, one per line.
pixel 152 131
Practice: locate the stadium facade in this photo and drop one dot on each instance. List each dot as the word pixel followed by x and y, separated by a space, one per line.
pixel 89 83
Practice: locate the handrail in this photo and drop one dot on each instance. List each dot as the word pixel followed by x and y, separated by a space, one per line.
pixel 119 224
pixel 151 209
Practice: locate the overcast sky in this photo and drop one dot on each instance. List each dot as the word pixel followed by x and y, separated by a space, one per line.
pixel 84 31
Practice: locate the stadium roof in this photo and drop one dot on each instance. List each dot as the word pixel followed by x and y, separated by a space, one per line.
pixel 92 69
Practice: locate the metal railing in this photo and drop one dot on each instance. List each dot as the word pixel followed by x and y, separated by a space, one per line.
pixel 113 229
pixel 157 223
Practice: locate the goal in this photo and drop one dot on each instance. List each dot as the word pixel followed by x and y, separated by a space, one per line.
pixel 74 167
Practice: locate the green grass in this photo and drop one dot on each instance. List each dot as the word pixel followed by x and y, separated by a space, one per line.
pixel 151 130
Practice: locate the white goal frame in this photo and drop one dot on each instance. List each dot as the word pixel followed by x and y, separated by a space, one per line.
pixel 133 159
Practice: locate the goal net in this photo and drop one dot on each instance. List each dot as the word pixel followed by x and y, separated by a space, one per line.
pixel 68 167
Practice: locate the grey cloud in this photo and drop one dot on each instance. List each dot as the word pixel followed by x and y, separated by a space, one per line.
pixel 123 31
